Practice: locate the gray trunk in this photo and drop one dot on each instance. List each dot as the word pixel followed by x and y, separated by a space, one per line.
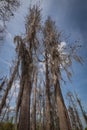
pixel 24 119
pixel 64 121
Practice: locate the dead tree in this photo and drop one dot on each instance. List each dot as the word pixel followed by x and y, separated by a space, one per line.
pixel 48 103
pixel 81 107
pixel 25 49
pixel 9 85
pixel 34 103
pixel 2 84
pixel 77 118
pixel 72 118
pixel 7 8
pixel 52 40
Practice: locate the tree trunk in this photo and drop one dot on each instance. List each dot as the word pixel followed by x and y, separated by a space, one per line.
pixel 77 119
pixel 24 119
pixel 34 105
pixel 48 103
pixel 82 110
pixel 9 85
pixel 64 121
pixel 72 118
pixel 2 84
pixel 43 111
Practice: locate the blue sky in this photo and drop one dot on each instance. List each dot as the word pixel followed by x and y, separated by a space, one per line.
pixel 71 18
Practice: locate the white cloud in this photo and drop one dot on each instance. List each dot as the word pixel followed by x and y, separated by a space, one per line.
pixel 61 46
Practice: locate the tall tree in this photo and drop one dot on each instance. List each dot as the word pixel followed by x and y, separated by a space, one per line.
pixel 81 107
pixel 26 48
pixel 55 58
pixel 77 118
pixel 48 103
pixel 9 85
pixel 72 117
pixel 34 104
pixel 52 42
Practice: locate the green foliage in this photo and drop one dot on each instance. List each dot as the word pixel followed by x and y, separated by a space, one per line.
pixel 86 128
pixel 6 126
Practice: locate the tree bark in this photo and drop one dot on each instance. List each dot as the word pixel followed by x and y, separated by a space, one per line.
pixel 24 119
pixel 48 103
pixel 82 110
pixel 64 121
pixel 9 85
pixel 34 105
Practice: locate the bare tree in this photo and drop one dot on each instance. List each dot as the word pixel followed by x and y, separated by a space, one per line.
pixel 52 41
pixel 48 103
pixel 9 85
pixel 76 114
pixel 7 8
pixel 72 118
pixel 2 83
pixel 34 104
pixel 81 107
pixel 25 49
